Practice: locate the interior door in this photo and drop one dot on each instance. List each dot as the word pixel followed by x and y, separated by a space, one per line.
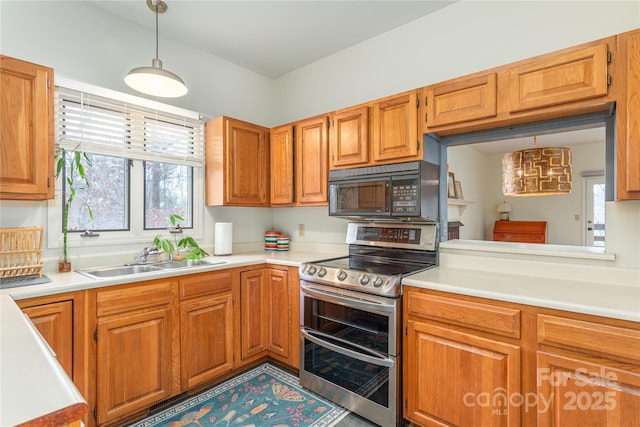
pixel 593 226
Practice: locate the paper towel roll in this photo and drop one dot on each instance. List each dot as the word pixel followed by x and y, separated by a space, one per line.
pixel 223 238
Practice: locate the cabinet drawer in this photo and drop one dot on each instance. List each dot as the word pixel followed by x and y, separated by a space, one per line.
pixel 473 315
pixel 205 284
pixel 133 298
pixel 590 337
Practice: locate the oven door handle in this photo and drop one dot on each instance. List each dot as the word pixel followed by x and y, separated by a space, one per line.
pixel 373 357
pixel 335 297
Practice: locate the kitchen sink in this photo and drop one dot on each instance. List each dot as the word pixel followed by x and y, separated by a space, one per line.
pixel 127 270
pixel 120 271
pixel 170 265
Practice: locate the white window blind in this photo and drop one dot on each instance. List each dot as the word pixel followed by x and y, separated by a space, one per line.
pixel 103 125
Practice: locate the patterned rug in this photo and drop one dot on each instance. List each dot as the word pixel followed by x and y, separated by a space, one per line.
pixel 263 396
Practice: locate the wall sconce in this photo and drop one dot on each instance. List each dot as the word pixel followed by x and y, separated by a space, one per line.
pixel 537 171
pixel 503 210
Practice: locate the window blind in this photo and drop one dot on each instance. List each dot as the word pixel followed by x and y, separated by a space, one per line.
pixel 107 126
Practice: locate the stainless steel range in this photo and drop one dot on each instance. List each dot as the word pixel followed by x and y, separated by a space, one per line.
pixel 350 321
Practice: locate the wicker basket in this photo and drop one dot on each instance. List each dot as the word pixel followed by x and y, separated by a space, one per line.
pixel 21 251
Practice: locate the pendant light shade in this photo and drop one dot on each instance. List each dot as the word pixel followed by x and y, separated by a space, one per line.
pixel 155 80
pixel 537 172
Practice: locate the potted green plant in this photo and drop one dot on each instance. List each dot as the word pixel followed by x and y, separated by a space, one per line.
pixel 173 247
pixel 75 163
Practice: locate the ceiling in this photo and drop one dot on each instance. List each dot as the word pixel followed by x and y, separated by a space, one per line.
pixel 273 38
pixel 568 138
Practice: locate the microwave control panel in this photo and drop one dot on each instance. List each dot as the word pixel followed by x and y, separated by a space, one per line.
pixel 404 198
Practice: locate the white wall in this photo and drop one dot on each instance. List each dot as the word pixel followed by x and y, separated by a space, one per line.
pixel 88 44
pixel 465 37
pixel 481 175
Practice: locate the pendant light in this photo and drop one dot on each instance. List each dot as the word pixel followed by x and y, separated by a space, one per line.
pixel 155 80
pixel 537 171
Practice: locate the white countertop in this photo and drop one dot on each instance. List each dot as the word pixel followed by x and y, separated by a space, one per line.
pixel 613 300
pixel 32 382
pixel 73 281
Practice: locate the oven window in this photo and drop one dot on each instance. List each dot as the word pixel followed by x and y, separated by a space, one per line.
pixel 367 329
pixel 365 379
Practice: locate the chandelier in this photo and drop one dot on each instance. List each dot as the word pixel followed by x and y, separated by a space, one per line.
pixel 537 171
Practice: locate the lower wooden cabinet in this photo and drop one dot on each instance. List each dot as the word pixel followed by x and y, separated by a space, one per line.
pixel 265 314
pixel 135 348
pixel 455 376
pixel 206 327
pixel 54 321
pixel 576 391
pixel 472 361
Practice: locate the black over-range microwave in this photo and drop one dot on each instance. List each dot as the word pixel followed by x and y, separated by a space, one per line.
pixel 400 192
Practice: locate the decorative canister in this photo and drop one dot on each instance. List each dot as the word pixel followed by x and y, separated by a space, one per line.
pixel 283 243
pixel 271 240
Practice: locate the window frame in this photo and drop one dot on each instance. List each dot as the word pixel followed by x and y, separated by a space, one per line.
pixel 136 233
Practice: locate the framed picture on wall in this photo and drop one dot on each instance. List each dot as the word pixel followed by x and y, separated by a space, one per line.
pixel 458 188
pixel 451 186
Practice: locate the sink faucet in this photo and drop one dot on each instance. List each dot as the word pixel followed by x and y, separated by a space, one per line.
pixel 142 257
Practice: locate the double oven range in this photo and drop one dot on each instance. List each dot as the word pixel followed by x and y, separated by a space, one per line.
pixel 351 321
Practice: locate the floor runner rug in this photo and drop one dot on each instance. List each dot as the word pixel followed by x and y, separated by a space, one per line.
pixel 263 396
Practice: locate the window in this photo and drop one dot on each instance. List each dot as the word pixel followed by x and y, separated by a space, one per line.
pixel 107 195
pixel 147 161
pixel 167 190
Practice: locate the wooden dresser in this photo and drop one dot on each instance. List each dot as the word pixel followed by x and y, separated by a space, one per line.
pixel 520 231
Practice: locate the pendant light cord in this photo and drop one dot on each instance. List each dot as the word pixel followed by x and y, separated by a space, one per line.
pixel 157 1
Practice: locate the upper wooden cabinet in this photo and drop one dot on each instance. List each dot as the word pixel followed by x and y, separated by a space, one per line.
pixel 557 79
pixel 378 132
pixel 281 145
pixel 628 117
pixel 237 163
pixel 299 169
pixel 311 154
pixel 349 137
pixel 461 100
pixel 26 130
pixel 567 82
pixel 394 129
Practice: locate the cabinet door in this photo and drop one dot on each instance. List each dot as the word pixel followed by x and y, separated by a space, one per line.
pixel 456 378
pixel 281 147
pixel 54 321
pixel 26 134
pixel 462 100
pixel 254 313
pixel 628 117
pixel 279 312
pixel 134 362
pixel 558 79
pixel 311 161
pixel 349 138
pixel 206 333
pixel 395 129
pixel 247 166
pixel 581 392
